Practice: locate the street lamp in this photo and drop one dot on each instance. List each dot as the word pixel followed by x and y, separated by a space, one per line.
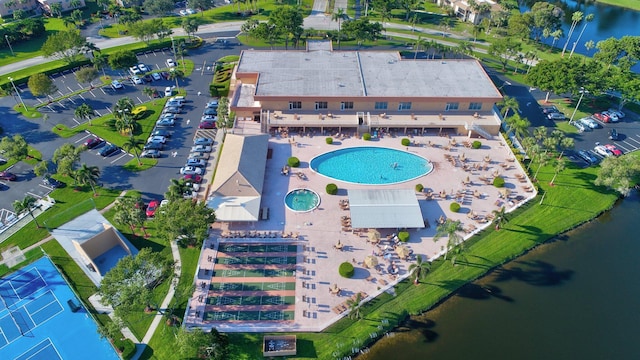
pixel 504 84
pixel 17 92
pixel 6 37
pixel 582 91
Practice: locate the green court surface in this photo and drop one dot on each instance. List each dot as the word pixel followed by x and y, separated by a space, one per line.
pixel 256 273
pixel 252 286
pixel 271 260
pixel 232 248
pixel 249 315
pixel 251 300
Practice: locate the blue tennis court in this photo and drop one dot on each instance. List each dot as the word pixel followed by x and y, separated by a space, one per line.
pixel 36 320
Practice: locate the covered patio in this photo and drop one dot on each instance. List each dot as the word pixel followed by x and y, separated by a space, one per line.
pixel 385 209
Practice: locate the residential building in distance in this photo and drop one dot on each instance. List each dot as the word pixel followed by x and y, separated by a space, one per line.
pixel 470 10
pixel 7 7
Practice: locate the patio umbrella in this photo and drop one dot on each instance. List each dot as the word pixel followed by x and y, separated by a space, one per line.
pixel 374 236
pixel 504 192
pixel 403 251
pixel 370 261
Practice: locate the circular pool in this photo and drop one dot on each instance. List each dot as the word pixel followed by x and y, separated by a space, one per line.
pixel 371 165
pixel 302 200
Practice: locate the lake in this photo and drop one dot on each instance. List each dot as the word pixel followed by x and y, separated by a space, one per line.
pixel 574 298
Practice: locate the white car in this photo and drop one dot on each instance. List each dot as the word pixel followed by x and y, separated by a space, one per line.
pixel 196 162
pixel 201 148
pixel 183 12
pixel 143 68
pixel 115 84
pixel 209 118
pixel 579 125
pixel 171 63
pixel 157 139
pixel 202 141
pixel 174 103
pixel 213 104
pixel 191 11
pixel 179 99
pixel 168 91
pixel 614 117
pixel 156 76
pixel 134 70
pixel 191 170
pixel 590 122
pixel 166 122
pixel 616 112
pixel 602 151
pixel 137 80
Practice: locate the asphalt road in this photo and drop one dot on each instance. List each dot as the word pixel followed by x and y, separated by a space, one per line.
pixel 152 183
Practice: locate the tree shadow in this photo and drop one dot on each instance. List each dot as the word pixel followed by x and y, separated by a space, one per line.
pixel 482 292
pixel 537 273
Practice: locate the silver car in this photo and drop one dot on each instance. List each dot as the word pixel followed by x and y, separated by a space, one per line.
pixel 202 141
pixel 589 122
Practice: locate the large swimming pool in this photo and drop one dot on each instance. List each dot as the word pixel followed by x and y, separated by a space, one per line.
pixel 371 165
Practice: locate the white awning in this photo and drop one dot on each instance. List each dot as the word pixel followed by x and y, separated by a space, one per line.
pixel 385 209
pixel 235 208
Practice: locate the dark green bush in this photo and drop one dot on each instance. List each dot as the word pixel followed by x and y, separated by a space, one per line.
pixel 366 136
pixel 403 236
pixel 498 182
pixel 419 187
pixel 476 144
pixel 293 161
pixel 126 347
pixel 454 207
pixel 346 270
pixel 405 142
pixel 329 140
pixel 332 189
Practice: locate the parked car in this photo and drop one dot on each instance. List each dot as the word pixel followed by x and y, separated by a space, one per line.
pixel 199 155
pixel 196 162
pixel 180 99
pixel 201 148
pixel 152 207
pixel 168 91
pixel 8 176
pixel 143 68
pixel 171 110
pixel 207 125
pixel 164 74
pixel 202 141
pixel 191 170
pixel 168 116
pixel 147 78
pixel 193 178
pixel 580 126
pixel 613 135
pixel 136 80
pixel 151 153
pixel 616 112
pixel 549 109
pixel 156 76
pixel 556 116
pixel 153 146
pixel 614 150
pixel 192 186
pixel 602 117
pixel 210 111
pixel 157 139
pixel 212 104
pixel 93 142
pixel 589 122
pixel 603 151
pixel 183 12
pixel 115 85
pixel 51 182
pixel 171 63
pixel 165 122
pixel 587 156
pixel 161 132
pixel 209 118
pixel 612 116
pixel 174 103
pixel 109 150
pixel 134 70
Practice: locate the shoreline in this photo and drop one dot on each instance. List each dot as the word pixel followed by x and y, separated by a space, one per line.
pixel 631 5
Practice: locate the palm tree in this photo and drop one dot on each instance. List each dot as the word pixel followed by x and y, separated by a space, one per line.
pixel 337 16
pixel 556 36
pixel 588 19
pixel 589 45
pixel 500 217
pixel 88 175
pixel 100 62
pixel 561 164
pixel 419 269
pixel 576 17
pixel 26 204
pixel 542 160
pixel 84 111
pixel 123 107
pixel 176 190
pixel 450 229
pixel 465 48
pixel 419 42
pixel 134 144
pixel 566 143
pixel 354 307
pixel 176 74
pixel 530 57
pixel 149 91
pixel 124 123
pixel 518 124
pixel 540 133
pixel 509 103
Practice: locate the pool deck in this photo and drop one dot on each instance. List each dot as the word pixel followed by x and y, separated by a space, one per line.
pixel 319 230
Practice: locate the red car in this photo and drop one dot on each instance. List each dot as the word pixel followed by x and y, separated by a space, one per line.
pixel 613 149
pixel 602 117
pixel 207 125
pixel 193 178
pixel 5 175
pixel 151 208
pixel 93 142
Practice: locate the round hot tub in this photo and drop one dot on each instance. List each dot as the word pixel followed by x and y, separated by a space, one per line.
pixel 302 200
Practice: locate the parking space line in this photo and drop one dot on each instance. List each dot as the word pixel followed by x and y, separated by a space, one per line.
pixel 74 119
pixel 634 140
pixel 73 102
pixel 46 187
pixel 70 89
pixel 91 92
pixel 62 105
pixel 60 92
pixel 80 86
pixel 101 89
pixel 123 155
pixel 82 97
pixel 109 110
pixel 34 195
pixel 139 99
pixel 84 137
pixel 624 148
pixel 97 112
pixel 596 154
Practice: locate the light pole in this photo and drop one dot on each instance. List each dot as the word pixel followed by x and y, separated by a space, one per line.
pixel 503 85
pixel 582 91
pixel 6 37
pixel 17 92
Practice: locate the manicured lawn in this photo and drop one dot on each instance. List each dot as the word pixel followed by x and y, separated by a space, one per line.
pixel 631 4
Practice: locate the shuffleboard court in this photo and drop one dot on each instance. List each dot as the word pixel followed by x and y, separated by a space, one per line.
pixel 251 300
pixel 252 286
pixel 240 248
pixel 257 260
pixel 276 315
pixel 256 273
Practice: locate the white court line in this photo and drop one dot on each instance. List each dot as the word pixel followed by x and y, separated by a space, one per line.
pixel 32 280
pixel 5 338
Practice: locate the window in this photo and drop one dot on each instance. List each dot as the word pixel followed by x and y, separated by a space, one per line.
pixel 321 105
pixel 404 106
pixel 475 106
pixel 451 106
pixel 381 105
pixel 346 105
pixel 295 105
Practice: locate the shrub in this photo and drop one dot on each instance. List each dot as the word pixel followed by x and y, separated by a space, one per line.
pixel 454 207
pixel 405 142
pixel 366 136
pixel 476 144
pixel 419 187
pixel 332 189
pixel 329 140
pixel 403 236
pixel 498 182
pixel 346 270
pixel 293 161
pixel 126 347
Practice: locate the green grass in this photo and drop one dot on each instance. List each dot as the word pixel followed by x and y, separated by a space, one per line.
pixel 630 4
pixel 145 164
